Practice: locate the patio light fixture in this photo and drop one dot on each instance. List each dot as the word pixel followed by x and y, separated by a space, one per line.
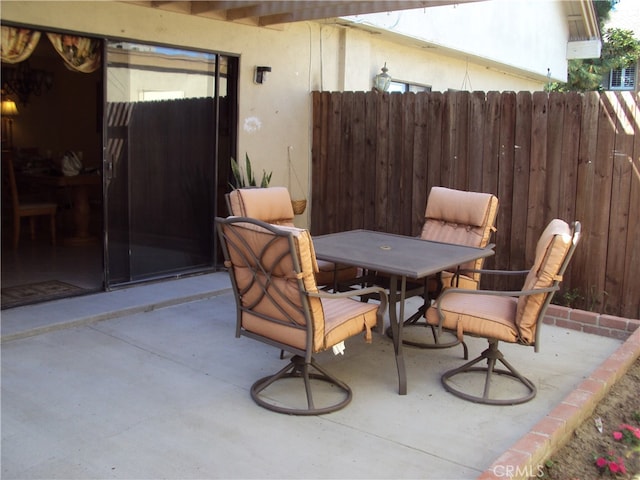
pixel 261 74
pixel 382 81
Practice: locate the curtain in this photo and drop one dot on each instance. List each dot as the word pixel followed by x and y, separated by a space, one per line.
pixel 18 43
pixel 79 53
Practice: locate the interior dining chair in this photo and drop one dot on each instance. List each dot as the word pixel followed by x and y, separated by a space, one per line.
pixel 273 205
pixel 451 216
pixel 508 316
pixel 21 208
pixel 278 302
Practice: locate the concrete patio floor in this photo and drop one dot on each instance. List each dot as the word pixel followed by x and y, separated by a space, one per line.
pixel 150 382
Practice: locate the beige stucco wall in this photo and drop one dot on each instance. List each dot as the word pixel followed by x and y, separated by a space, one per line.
pixel 274 118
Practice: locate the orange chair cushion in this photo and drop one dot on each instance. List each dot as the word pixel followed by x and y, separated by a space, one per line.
pixel 271 204
pixel 482 315
pixel 551 250
pixel 460 217
pixel 334 319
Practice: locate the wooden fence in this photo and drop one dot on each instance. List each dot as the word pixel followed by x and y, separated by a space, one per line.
pixel 573 156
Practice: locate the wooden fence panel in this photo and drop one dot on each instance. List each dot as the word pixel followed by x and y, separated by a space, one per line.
pixel 421 159
pixel 631 285
pixel 521 165
pixel 375 158
pixel 603 176
pixel 620 206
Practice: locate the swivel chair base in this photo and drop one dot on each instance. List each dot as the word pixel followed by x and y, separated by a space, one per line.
pixel 298 368
pixel 491 354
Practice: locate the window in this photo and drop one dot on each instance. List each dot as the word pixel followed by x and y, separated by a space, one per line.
pixel 623 78
pixel 403 87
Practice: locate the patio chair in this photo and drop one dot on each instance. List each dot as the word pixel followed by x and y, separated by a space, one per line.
pixel 463 218
pixel 278 302
pixel 273 205
pixel 508 316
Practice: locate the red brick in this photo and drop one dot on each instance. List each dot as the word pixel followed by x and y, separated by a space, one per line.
pixel 581 316
pixel 534 444
pixel 510 459
pixel 613 322
pixel 603 332
pixel 549 426
pixel 568 324
pixel 569 413
pixel 604 376
pixel 558 311
pixel 580 398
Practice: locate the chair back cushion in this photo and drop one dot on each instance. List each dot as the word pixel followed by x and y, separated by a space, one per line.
pixel 463 218
pixel 271 204
pixel 270 300
pixel 551 250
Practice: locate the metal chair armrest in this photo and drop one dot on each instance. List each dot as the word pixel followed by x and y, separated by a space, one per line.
pixel 499 293
pixel 381 292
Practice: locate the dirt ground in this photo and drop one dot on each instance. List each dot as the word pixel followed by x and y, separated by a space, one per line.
pixel 576 460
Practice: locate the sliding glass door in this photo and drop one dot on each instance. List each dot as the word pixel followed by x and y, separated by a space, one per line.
pixel 169 124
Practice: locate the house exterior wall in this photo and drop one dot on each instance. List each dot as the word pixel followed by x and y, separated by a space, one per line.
pixel 275 117
pixel 530 36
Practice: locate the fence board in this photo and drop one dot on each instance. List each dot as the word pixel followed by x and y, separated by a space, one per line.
pixel 434 126
pixel 358 159
pixel 346 177
pixel 519 200
pixel 537 174
pixel 375 157
pixel 420 162
pixel 602 191
pixel 369 174
pixel 382 163
pixel 620 196
pixel 407 162
pixel 477 104
pixel 505 184
pixel 631 287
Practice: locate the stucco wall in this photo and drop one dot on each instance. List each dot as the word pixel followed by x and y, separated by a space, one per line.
pixel 274 118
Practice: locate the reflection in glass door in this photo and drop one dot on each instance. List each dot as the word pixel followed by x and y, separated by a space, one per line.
pixel 163 141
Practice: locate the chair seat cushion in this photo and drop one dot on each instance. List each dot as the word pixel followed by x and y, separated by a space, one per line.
pixel 344 318
pixel 481 315
pixel 326 270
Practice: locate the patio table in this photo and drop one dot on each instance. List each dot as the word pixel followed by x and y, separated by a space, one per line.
pixel 400 257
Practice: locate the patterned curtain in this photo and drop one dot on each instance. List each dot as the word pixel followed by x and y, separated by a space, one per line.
pixel 79 53
pixel 18 43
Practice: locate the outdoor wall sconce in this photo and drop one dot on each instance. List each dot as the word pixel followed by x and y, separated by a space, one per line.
pixel 382 81
pixel 261 74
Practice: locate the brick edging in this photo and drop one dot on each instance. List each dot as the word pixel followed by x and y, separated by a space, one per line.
pixel 525 458
pixel 591 322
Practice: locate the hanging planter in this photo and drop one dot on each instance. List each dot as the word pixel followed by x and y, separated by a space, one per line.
pixel 299 205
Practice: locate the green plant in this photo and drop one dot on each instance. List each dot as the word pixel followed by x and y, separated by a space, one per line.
pixel 595 298
pixel 570 298
pixel 245 178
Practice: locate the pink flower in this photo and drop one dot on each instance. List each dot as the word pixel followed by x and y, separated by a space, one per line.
pixel 617 435
pixel 601 462
pixel 623 469
pixel 614 467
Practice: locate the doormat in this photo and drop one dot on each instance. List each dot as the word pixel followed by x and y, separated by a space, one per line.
pixel 37 293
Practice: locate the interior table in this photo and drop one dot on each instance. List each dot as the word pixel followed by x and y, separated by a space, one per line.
pixel 400 257
pixel 79 186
